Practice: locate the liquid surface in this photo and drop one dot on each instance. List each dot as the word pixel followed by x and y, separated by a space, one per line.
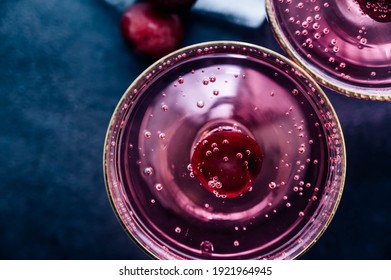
pixel 344 43
pixel 270 113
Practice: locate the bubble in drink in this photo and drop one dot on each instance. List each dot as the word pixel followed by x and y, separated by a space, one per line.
pixel 148 171
pixel 147 134
pixel 200 104
pixel 206 247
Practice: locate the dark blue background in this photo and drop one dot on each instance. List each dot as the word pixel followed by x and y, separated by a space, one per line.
pixel 64 66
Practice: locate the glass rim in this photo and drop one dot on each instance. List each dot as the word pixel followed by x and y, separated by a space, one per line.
pixel 321 77
pixel 148 72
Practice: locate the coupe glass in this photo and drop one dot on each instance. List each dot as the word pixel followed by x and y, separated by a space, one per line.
pixel 224 150
pixel 344 44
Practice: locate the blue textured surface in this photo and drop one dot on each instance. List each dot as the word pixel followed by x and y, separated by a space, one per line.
pixel 64 67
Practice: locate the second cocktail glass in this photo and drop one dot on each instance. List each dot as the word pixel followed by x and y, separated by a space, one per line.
pixel 345 44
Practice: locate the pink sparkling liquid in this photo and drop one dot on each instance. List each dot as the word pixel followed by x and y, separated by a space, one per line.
pixel 336 40
pixel 234 89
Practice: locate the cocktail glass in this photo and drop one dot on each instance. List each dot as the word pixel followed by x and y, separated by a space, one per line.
pixel 224 150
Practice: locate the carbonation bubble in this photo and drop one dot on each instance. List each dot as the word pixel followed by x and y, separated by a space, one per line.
pixel 147 134
pixel 159 187
pixel 200 104
pixel 148 171
pixel 272 185
pixel 206 247
pixel 178 230
pixel 162 136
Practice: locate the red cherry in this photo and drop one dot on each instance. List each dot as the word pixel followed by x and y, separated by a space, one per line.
pixel 151 31
pixel 379 10
pixel 227 162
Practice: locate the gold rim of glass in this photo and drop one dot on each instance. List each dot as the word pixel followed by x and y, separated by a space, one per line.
pixel 109 150
pixel 323 79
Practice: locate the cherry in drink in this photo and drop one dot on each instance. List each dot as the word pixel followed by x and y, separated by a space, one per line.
pixel 224 150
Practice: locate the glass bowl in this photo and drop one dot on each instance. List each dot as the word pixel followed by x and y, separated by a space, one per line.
pixel 224 150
